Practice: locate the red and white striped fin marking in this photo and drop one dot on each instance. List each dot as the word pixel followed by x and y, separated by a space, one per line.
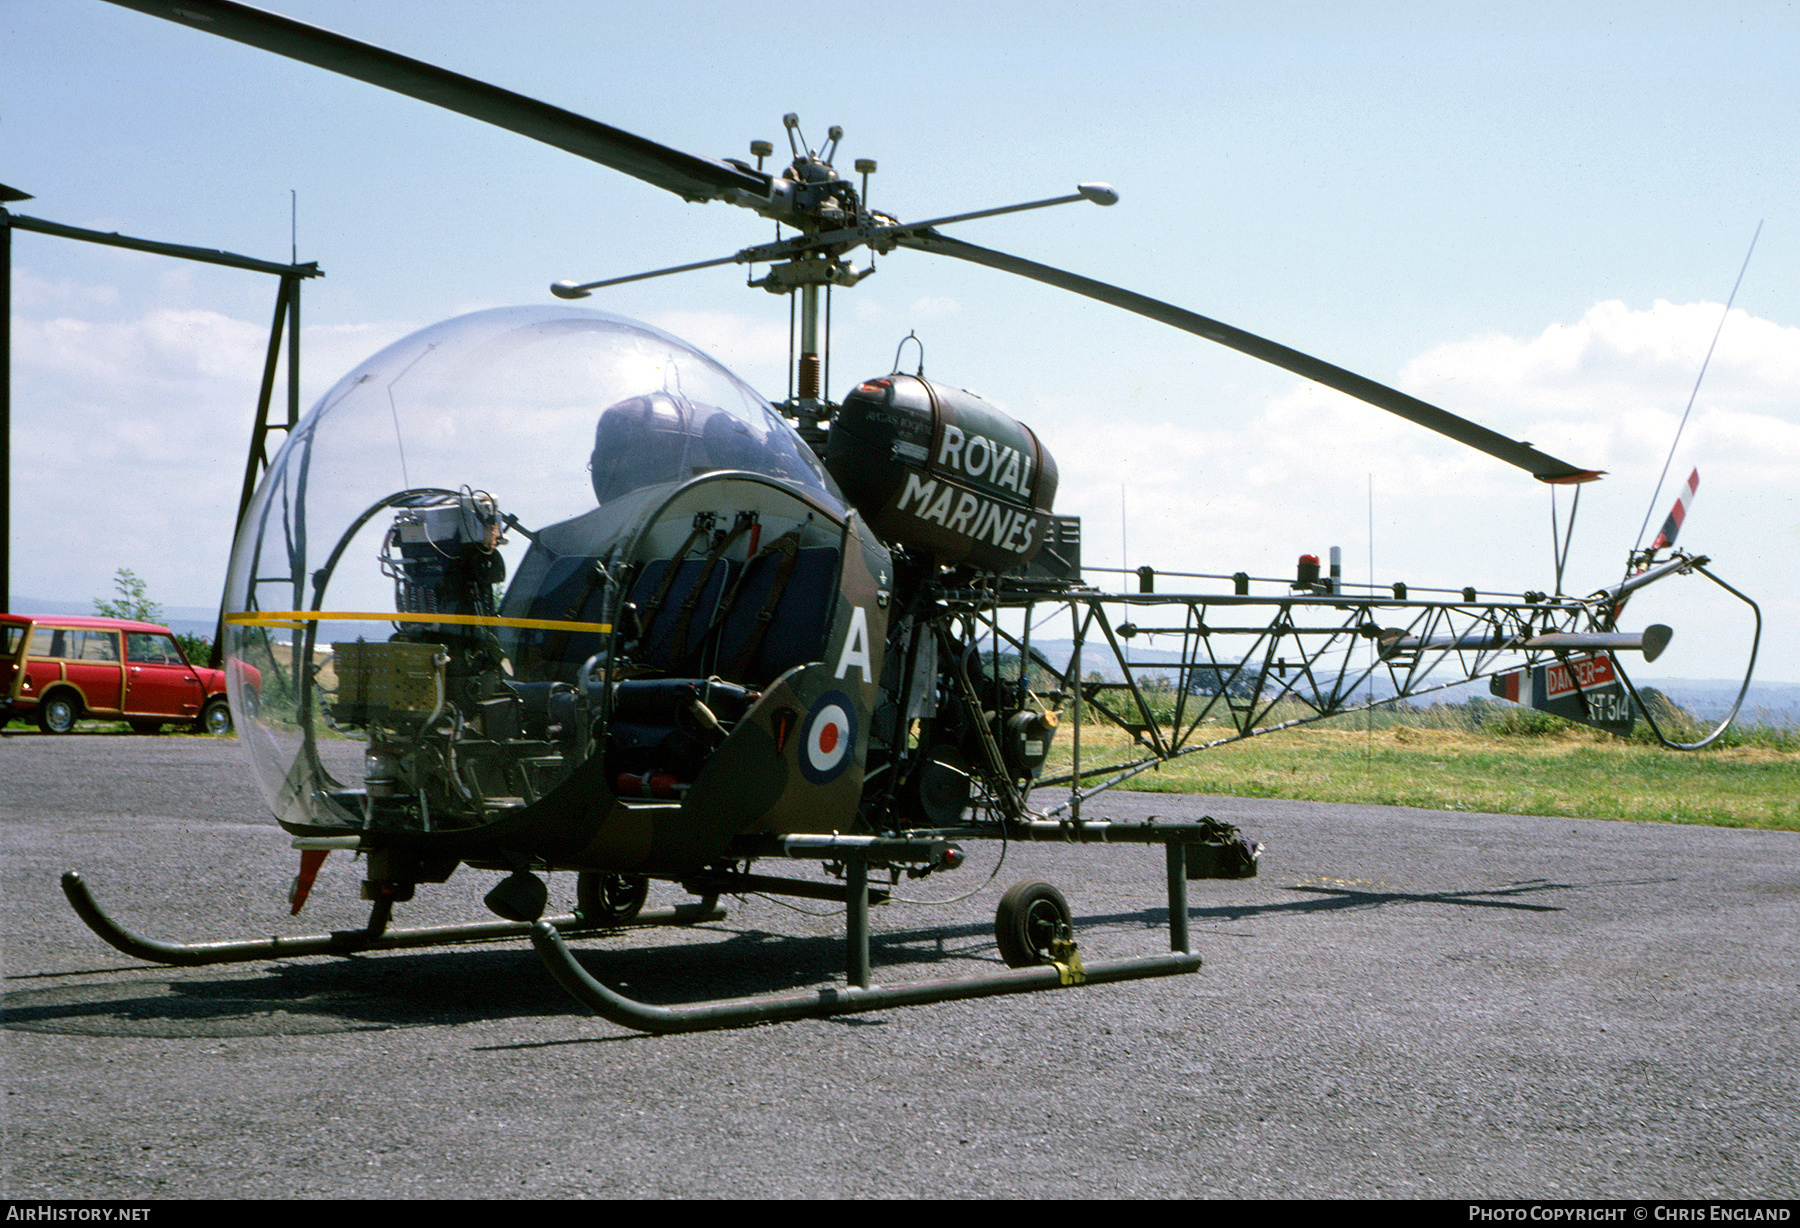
pixel 1678 513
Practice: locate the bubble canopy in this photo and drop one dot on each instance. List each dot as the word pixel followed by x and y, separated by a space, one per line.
pixel 538 417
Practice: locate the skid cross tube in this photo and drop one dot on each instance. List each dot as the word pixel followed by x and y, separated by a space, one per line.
pixel 376 937
pixel 856 852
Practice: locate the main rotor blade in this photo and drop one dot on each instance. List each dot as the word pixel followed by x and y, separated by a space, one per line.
pixel 1537 464
pixel 686 175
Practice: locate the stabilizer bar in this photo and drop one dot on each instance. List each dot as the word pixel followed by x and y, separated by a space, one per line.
pixel 1650 641
pixel 836 999
pixel 376 937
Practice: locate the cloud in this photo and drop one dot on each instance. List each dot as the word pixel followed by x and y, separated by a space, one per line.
pixel 129 441
pixel 933 307
pixel 1614 365
pixel 330 351
pixel 753 347
pixel 34 293
pixel 1248 481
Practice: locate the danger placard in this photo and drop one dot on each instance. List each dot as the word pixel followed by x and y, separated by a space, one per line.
pixel 1578 673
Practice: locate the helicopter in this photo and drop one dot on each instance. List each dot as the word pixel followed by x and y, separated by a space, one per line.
pixel 544 589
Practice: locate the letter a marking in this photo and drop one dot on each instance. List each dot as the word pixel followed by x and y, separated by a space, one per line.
pixel 856 646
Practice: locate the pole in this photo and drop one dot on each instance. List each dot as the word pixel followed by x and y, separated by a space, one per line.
pixel 5 410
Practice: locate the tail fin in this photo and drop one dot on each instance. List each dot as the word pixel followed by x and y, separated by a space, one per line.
pixel 1584 688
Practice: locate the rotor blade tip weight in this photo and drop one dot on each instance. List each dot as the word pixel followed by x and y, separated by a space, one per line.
pixel 1099 193
pixel 567 289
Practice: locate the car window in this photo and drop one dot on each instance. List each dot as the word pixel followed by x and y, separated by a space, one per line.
pixel 10 638
pixel 46 642
pixel 144 648
pixel 95 645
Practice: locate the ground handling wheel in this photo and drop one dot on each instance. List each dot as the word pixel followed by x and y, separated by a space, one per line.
pixel 1031 918
pixel 609 899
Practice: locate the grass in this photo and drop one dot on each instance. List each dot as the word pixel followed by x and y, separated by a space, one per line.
pixel 1566 771
pixel 170 728
pixel 1520 763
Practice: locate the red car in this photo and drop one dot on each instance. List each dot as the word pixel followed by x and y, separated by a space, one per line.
pixel 57 669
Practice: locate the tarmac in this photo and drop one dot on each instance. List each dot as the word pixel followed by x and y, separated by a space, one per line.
pixel 1402 1003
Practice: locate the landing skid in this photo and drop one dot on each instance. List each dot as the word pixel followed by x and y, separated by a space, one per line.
pixel 834 999
pixel 376 936
pixel 1062 968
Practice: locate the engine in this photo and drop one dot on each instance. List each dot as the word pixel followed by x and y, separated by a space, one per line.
pixel 941 473
pixel 434 698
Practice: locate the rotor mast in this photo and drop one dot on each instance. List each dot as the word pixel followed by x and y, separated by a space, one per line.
pixel 816 202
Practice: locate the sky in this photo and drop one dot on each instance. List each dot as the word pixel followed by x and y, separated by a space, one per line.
pixel 1529 214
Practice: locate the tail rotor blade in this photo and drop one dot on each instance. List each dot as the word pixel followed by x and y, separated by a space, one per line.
pixel 1678 514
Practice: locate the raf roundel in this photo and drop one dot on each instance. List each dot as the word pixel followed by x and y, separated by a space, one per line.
pixel 828 738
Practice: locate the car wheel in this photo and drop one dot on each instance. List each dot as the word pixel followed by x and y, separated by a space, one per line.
pixel 58 712
pixel 215 718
